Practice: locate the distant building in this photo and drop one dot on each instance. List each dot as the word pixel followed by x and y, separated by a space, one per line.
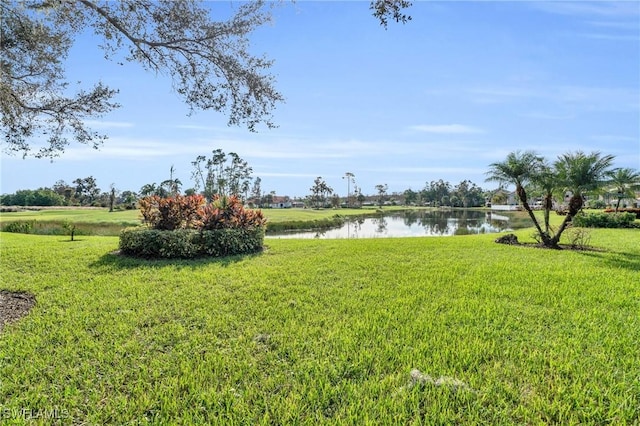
pixel 508 200
pixel 280 202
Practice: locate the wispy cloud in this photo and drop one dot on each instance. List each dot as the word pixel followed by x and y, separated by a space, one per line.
pixel 98 124
pixel 615 138
pixel 547 116
pixel 129 148
pixel 591 98
pixel 446 129
pixel 426 170
pixel 606 9
pixel 610 37
pixel 287 175
pixel 631 25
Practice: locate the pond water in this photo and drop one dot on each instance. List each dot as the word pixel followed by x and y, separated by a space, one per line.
pixel 417 223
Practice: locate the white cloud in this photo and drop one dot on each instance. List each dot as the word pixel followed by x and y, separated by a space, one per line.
pixel 446 128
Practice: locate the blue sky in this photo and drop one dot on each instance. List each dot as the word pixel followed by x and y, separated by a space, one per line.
pixel 442 97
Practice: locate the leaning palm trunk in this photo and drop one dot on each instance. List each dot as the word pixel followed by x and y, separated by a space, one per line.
pixel 548 206
pixel 575 204
pixel 522 194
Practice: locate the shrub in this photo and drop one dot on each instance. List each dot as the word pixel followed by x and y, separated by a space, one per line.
pixel 635 211
pixel 190 243
pixel 229 241
pixel 178 212
pixel 604 220
pixel 22 227
pixel 228 212
pixel 183 227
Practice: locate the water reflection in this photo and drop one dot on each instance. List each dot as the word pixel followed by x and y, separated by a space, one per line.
pixel 414 223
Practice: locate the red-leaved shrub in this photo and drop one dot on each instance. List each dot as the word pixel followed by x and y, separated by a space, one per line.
pixel 221 228
pixel 228 212
pixel 177 212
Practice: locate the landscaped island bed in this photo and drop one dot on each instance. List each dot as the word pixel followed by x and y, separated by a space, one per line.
pixel 386 331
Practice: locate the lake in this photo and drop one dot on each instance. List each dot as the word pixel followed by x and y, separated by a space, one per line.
pixel 416 223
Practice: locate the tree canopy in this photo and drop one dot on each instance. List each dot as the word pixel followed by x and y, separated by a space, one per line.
pixel 208 61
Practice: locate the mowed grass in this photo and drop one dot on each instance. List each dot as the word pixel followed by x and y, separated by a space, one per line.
pixel 325 332
pixel 97 221
pixel 75 215
pixel 98 215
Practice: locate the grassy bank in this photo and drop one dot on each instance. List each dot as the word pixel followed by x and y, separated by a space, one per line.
pixel 326 332
pixel 94 221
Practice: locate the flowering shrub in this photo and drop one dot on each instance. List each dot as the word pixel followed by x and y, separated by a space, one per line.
pixel 184 227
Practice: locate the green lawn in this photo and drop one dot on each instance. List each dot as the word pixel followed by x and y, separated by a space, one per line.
pixel 325 332
pixel 97 221
pixel 98 215
pixel 77 215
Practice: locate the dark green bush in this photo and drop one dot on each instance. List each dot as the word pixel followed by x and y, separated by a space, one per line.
pixel 189 243
pixel 22 227
pixel 144 242
pixel 605 220
pixel 229 241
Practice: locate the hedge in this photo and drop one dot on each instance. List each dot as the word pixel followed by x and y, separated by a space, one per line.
pixel 190 243
pixel 605 220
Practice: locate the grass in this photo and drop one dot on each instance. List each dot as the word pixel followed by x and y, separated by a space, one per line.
pixel 325 331
pixel 76 215
pixel 97 221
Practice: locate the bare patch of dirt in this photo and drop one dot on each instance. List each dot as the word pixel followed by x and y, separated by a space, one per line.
pixel 14 305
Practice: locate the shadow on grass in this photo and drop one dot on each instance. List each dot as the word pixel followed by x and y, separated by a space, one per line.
pixel 117 260
pixel 615 259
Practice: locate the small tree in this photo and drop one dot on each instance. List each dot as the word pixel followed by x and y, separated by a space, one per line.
pixel 410 197
pixel 256 191
pixel 319 192
pixel 579 173
pixel 112 197
pixel 221 174
pixel 623 182
pixel 576 172
pixel 350 177
pixel 360 198
pixel 86 190
pixel 382 193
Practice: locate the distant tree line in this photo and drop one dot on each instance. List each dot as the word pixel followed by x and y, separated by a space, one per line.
pixel 81 192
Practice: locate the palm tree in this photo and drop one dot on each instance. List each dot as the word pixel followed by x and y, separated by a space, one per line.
pixel 623 182
pixel 520 168
pixel 546 182
pixel 579 173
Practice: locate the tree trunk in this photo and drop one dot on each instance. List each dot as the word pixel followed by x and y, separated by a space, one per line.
pixel 522 194
pixel 548 205
pixel 575 204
